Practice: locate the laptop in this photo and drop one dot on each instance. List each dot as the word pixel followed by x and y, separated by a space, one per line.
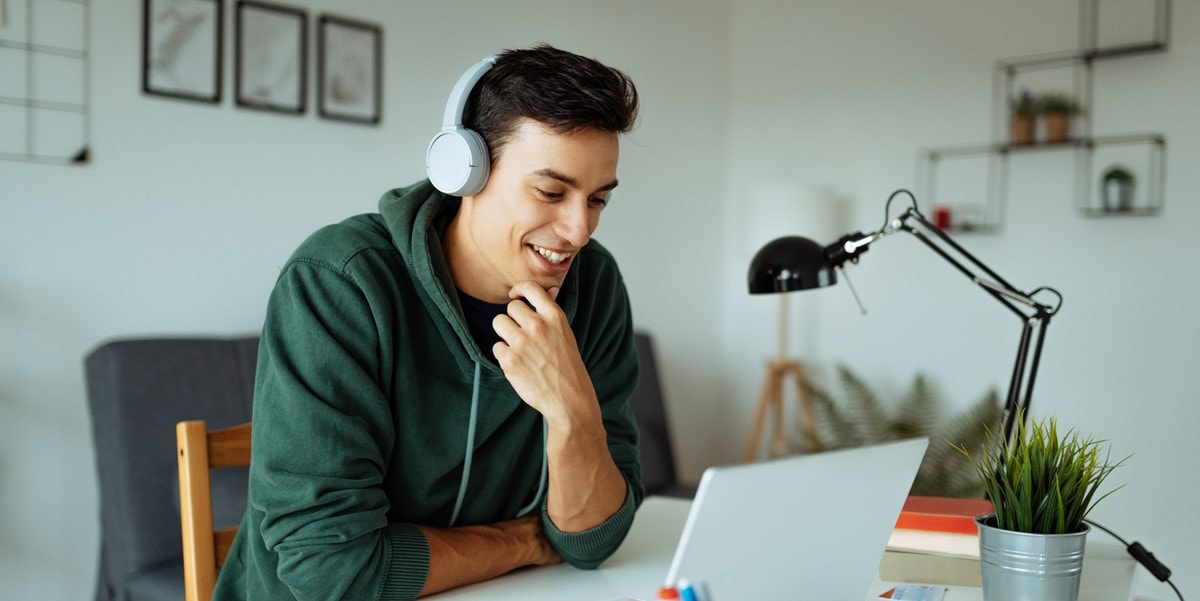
pixel 809 527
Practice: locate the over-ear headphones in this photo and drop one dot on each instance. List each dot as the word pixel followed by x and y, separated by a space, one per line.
pixel 457 158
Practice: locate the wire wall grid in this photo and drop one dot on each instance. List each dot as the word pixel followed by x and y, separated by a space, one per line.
pixel 44 81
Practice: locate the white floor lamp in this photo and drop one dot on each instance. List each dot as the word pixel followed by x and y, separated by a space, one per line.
pixel 775 208
pixel 771 400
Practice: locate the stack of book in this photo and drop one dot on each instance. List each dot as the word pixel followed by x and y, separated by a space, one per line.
pixel 935 540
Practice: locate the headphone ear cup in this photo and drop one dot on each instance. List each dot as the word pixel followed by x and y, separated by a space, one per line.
pixel 457 161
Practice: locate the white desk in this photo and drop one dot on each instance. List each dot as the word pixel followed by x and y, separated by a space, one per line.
pixel 1108 575
pixel 640 566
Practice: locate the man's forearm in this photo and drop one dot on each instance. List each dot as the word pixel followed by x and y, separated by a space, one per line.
pixel 470 554
pixel 585 488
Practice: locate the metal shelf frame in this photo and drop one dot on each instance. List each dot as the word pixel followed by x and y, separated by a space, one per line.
pixel 992 207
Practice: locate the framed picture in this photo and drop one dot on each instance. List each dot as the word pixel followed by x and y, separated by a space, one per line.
pixel 181 49
pixel 272 56
pixel 349 70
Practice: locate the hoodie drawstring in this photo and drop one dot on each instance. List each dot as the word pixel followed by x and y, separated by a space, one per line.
pixel 537 498
pixel 470 452
pixel 462 486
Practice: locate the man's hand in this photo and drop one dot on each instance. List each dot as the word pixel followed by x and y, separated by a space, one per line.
pixel 540 357
pixel 470 554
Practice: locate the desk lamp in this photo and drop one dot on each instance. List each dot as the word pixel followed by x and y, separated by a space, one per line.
pixel 796 263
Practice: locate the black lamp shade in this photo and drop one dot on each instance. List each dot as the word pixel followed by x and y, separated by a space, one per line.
pixel 790 263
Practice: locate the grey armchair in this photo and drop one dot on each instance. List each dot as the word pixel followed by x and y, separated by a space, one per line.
pixel 654 448
pixel 137 391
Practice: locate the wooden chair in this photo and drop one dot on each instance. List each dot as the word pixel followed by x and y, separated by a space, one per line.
pixel 204 550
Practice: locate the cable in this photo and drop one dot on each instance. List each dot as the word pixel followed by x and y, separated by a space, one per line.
pixel 887 208
pixel 1144 557
pixel 1040 289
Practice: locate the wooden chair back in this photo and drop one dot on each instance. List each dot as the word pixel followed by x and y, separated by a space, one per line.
pixel 205 549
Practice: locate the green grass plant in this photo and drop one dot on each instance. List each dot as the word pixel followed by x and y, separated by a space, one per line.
pixel 1040 482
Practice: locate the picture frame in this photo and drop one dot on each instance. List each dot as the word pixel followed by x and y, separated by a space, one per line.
pixel 271 43
pixel 349 70
pixel 182 49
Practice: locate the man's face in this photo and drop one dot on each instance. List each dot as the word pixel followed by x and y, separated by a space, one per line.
pixel 538 209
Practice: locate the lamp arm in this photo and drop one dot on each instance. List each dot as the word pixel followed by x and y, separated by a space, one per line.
pixel 1035 316
pixel 998 287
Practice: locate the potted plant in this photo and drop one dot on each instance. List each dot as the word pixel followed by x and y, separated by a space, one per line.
pixel 859 417
pixel 1057 110
pixel 1024 118
pixel 1042 486
pixel 1117 186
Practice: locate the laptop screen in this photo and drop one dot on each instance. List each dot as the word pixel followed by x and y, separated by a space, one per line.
pixel 802 527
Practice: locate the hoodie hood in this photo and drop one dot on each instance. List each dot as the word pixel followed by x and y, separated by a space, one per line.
pixel 416 218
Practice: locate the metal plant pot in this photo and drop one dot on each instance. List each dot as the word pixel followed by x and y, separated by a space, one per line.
pixel 1118 194
pixel 1017 566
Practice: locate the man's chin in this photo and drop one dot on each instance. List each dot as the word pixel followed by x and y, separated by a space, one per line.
pixel 544 281
pixel 548 283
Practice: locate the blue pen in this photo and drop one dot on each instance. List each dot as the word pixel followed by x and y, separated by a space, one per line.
pixel 686 591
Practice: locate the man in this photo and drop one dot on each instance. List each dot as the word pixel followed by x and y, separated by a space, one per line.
pixel 442 387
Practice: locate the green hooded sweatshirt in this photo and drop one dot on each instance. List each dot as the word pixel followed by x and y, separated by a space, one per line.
pixel 366 381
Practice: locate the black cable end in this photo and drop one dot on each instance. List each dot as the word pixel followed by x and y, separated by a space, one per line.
pixel 1147 559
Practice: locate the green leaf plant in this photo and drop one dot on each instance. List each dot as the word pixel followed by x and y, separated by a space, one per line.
pixel 1040 482
pixel 859 418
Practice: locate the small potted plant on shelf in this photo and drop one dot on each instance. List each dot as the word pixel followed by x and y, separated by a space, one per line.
pixel 1117 188
pixel 1057 111
pixel 1042 486
pixel 1024 118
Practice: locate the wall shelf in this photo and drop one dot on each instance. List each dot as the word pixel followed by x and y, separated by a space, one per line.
pixel 1063 59
pixel 971 210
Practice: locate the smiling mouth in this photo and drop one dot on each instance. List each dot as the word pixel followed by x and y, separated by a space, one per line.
pixel 554 257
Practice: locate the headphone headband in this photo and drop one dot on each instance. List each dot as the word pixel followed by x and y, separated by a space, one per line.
pixel 457 103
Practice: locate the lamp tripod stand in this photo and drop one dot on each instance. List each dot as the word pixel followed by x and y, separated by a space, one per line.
pixel 771 399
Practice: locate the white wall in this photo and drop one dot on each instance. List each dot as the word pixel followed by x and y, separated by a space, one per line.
pixel 833 99
pixel 180 224
pixel 182 220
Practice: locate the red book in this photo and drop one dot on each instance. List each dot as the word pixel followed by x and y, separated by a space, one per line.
pixel 942 514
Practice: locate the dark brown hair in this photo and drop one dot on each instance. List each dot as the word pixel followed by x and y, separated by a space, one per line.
pixel 565 91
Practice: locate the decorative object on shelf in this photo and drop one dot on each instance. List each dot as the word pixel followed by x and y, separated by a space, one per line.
pixel 1117 186
pixel 1024 118
pixel 1057 111
pixel 1042 485
pixel 349 70
pixel 943 217
pixel 795 263
pixel 272 56
pixel 968 217
pixel 181 49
